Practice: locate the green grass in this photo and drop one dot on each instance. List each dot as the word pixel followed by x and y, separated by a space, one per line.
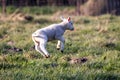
pixel 42 10
pixel 101 48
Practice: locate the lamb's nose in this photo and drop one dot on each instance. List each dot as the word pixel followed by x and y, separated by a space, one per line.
pixel 72 29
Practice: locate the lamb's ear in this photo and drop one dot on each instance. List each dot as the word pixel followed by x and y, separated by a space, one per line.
pixel 69 19
pixel 62 18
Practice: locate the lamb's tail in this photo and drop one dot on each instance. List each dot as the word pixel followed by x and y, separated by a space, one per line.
pixel 33 38
pixel 34 34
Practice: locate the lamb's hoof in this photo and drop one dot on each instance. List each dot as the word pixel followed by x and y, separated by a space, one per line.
pixel 47 56
pixel 58 48
pixel 62 51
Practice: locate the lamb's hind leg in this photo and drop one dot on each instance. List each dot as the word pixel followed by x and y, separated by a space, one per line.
pixel 38 49
pixel 40 46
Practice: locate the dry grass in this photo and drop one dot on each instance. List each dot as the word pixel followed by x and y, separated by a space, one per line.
pixel 93 7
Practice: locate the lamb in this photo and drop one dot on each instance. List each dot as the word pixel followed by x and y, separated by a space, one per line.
pixel 52 32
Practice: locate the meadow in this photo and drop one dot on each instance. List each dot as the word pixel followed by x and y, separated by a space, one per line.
pixel 95 38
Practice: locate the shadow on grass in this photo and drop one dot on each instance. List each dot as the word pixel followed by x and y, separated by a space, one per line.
pixel 5 65
pixel 112 46
pixel 13 61
pixel 42 21
pixel 103 76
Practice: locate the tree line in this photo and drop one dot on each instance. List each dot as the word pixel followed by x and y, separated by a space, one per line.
pixel 88 7
pixel 39 2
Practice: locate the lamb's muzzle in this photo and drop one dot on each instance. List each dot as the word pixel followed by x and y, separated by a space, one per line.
pixel 52 32
pixel 72 29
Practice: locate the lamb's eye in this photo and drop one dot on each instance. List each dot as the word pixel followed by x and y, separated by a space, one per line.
pixel 71 23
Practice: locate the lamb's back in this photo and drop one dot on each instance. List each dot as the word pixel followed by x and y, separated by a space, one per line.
pixel 50 32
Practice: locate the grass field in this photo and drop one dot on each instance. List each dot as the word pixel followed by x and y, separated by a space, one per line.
pixel 97 39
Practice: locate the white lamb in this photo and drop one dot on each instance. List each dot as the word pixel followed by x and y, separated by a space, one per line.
pixel 52 32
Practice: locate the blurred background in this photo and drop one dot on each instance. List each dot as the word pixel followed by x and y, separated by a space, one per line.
pixel 96 38
pixel 80 7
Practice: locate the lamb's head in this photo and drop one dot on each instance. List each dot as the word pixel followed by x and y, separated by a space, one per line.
pixel 67 23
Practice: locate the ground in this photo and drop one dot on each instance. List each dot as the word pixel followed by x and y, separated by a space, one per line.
pixel 95 38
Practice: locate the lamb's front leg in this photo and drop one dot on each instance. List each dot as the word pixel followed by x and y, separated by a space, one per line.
pixel 60 44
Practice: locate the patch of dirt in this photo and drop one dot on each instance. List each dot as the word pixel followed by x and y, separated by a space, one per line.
pixel 20 17
pixel 15 49
pixel 11 43
pixel 76 60
pixel 110 45
pixel 28 18
pixel 31 56
pixel 16 16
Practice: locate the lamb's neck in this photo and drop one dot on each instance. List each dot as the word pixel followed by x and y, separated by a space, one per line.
pixel 63 26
